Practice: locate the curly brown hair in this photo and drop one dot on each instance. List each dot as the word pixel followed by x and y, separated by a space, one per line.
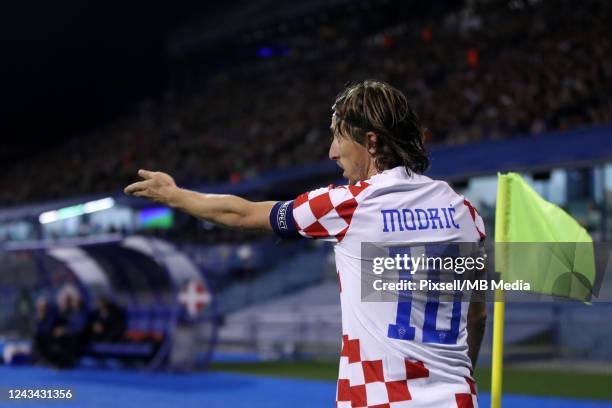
pixel 375 106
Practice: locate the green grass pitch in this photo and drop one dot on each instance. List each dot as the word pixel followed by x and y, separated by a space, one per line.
pixel 516 381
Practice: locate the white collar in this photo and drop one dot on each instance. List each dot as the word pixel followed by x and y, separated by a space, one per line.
pixel 400 172
pixel 395 172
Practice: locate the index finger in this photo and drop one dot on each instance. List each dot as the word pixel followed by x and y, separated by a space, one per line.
pixel 134 187
pixel 145 174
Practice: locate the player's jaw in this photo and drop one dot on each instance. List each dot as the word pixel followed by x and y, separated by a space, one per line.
pixel 352 158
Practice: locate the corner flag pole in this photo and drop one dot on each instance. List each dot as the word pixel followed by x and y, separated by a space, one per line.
pixel 498 350
pixel 497 362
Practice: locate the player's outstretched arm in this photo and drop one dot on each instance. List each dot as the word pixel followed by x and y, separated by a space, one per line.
pixel 226 210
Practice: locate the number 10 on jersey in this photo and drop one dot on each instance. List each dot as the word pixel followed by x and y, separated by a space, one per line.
pixel 406 307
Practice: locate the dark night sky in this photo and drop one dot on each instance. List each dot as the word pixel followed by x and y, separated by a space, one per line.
pixel 68 66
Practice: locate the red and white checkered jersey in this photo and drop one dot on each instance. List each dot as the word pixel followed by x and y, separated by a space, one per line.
pixel 389 358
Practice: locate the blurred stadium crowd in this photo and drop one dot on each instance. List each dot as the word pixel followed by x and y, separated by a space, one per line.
pixel 473 73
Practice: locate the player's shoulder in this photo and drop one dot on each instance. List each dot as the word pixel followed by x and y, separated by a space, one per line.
pixel 333 195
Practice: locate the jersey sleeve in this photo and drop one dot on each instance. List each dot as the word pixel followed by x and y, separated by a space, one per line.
pixel 325 213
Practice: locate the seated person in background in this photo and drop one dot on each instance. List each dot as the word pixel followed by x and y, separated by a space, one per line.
pixel 24 308
pixel 46 319
pixel 70 334
pixel 108 321
pixel 78 321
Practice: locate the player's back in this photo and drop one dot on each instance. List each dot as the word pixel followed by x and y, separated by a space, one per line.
pixel 409 352
pixel 414 338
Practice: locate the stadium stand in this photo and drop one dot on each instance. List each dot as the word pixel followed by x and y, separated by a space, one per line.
pixel 449 63
pixel 303 269
pixel 310 320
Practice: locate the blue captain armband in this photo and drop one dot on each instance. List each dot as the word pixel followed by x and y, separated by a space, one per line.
pixel 281 219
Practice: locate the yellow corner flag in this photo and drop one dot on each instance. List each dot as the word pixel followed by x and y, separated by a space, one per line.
pixel 539 243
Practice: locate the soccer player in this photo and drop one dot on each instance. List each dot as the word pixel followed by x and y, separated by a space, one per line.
pixel 394 354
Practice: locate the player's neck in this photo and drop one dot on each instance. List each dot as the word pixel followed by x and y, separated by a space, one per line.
pixel 366 173
pixel 372 170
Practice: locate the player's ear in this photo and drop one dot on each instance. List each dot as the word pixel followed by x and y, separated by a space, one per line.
pixel 371 140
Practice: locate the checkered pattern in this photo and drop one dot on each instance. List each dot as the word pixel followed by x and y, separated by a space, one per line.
pixel 366 383
pixel 478 222
pixel 465 400
pixel 326 213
